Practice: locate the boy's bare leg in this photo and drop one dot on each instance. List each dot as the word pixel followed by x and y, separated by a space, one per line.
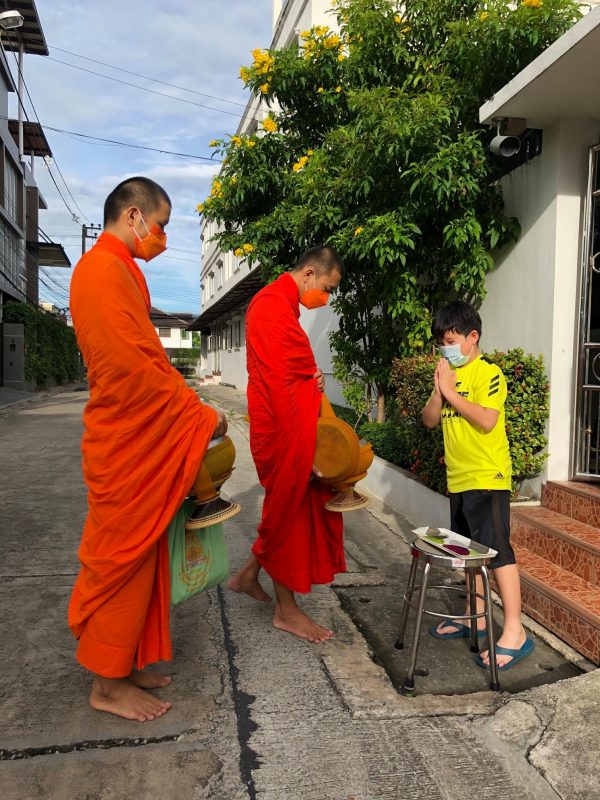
pixel 120 697
pixel 288 617
pixel 513 634
pixel 246 581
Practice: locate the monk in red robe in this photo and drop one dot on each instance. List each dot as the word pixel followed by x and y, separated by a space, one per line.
pixel 145 435
pixel 299 542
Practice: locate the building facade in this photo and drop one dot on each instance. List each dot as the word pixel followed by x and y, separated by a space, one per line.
pixel 21 142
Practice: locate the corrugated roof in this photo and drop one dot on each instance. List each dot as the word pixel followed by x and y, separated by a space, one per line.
pixel 30 34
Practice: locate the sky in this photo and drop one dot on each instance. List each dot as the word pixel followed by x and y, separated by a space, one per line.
pixel 192 44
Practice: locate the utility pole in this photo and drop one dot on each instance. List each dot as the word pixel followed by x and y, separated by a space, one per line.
pixel 88 232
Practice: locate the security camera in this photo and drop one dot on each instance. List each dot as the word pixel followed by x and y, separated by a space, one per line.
pixel 505 146
pixel 11 19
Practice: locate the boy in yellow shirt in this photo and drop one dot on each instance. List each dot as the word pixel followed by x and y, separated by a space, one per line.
pixel 468 401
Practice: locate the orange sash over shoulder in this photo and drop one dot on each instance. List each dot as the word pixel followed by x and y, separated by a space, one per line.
pixel 146 434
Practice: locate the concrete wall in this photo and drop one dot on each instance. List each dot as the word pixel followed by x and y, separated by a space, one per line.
pixel 533 294
pixel 175 340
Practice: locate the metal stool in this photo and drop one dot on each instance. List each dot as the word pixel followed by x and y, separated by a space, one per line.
pixel 426 553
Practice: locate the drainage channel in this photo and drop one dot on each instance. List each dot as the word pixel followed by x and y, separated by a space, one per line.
pixel 444 667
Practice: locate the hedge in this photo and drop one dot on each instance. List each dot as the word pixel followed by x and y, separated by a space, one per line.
pixel 51 352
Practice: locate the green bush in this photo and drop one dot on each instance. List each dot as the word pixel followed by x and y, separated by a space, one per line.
pixel 389 440
pixel 421 450
pixel 51 352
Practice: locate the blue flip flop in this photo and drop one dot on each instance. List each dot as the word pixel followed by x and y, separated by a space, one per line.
pixel 462 632
pixel 526 650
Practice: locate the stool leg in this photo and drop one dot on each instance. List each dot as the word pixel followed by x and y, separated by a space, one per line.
pixel 471 573
pixel 409 683
pixel 494 683
pixel 405 607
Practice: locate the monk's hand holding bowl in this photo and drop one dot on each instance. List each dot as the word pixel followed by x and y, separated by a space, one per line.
pixel 222 425
pixel 320 378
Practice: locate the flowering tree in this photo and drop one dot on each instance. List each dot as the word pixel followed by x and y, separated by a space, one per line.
pixel 373 145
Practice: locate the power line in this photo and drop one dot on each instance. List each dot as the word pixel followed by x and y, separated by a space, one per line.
pixel 22 79
pixel 146 77
pixel 144 88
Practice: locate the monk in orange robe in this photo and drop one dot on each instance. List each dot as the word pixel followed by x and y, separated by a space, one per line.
pixel 145 435
pixel 299 542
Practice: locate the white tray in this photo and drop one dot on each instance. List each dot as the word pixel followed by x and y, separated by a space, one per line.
pixel 476 550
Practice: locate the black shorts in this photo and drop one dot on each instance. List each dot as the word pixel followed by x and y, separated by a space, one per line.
pixel 484 516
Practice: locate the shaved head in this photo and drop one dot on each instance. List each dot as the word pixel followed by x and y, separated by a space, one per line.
pixel 142 193
pixel 323 259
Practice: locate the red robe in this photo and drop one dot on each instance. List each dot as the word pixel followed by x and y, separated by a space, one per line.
pixel 145 436
pixel 299 542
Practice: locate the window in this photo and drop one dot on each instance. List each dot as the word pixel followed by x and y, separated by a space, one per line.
pixel 237 335
pixel 12 257
pixel 185 335
pixel 211 284
pixel 164 333
pixel 219 275
pixel 12 195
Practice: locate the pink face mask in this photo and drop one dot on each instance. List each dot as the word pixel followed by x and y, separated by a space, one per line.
pixel 152 245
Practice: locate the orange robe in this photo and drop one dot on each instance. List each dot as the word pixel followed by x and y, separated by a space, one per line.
pixel 299 542
pixel 145 436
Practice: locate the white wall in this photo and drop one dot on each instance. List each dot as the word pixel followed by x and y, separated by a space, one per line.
pixel 174 339
pixel 533 294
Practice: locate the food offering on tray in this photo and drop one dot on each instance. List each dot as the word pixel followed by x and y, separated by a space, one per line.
pixel 453 544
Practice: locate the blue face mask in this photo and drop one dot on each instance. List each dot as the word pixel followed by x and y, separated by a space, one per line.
pixel 453 355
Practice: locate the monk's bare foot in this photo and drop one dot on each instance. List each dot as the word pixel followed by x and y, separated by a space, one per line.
pixel 120 697
pixel 249 585
pixel 297 622
pixel 148 680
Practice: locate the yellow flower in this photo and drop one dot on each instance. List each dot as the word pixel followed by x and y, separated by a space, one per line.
pixel 331 42
pixel 342 57
pixel 305 35
pixel 320 30
pixel 398 19
pixel 245 74
pixel 270 126
pixel 532 3
pixel 200 208
pixel 239 251
pixel 236 141
pixel 264 88
pixel 216 188
pixel 483 16
pixel 248 248
pixel 320 90
pixel 358 231
pixel 213 143
pixel 234 179
pixel 338 89
pixel 251 143
pixel 309 152
pixel 300 164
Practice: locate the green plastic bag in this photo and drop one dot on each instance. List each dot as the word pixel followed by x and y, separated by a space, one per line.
pixel 198 559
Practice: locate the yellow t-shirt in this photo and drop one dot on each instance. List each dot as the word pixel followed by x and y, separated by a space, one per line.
pixel 475 459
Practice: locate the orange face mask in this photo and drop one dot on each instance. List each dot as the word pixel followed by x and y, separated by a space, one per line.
pixel 314 298
pixel 151 245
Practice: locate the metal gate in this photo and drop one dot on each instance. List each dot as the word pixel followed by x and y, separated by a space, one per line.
pixel 587 427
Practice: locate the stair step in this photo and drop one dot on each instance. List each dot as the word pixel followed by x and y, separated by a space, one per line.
pixel 580 501
pixel 560 601
pixel 568 543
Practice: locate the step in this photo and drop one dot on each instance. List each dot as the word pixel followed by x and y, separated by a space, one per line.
pixel 563 603
pixel 580 501
pixel 571 545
